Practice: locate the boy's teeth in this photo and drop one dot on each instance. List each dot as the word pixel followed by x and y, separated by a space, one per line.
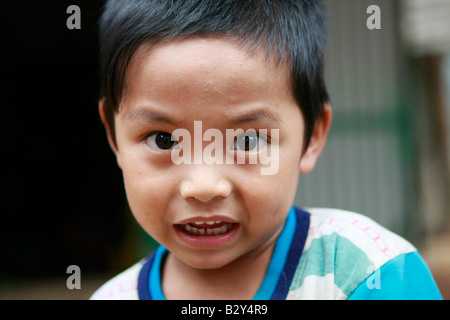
pixel 199 223
pixel 191 229
pixel 221 230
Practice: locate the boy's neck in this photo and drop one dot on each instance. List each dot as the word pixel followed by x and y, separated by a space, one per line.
pixel 239 279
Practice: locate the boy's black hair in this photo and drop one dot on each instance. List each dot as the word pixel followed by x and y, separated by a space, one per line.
pixel 291 31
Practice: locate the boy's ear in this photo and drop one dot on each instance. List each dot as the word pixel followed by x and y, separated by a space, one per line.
pixel 317 141
pixel 104 118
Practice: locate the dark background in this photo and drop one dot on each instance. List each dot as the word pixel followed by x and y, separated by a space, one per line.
pixel 62 199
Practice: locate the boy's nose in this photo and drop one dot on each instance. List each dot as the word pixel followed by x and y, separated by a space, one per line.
pixel 204 183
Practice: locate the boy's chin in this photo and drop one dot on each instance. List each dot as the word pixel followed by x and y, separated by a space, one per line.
pixel 207 262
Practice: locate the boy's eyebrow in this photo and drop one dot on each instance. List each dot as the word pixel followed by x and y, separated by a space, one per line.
pixel 147 114
pixel 259 115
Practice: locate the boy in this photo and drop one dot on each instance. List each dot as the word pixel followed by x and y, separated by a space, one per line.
pixel 176 74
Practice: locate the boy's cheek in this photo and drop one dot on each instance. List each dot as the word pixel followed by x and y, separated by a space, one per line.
pixel 145 203
pixel 144 187
pixel 270 190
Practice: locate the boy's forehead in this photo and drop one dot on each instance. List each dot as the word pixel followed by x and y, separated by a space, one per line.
pixel 195 67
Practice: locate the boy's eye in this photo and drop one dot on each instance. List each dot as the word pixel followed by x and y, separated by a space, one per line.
pixel 160 141
pixel 248 142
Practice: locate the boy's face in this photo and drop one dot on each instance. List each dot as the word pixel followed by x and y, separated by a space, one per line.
pixel 217 82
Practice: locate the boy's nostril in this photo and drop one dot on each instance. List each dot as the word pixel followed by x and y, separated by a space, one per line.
pixel 204 191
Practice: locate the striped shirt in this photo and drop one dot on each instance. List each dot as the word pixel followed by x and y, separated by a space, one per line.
pixel 320 254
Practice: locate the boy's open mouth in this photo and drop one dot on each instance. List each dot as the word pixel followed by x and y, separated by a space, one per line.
pixel 207 228
pixel 207 232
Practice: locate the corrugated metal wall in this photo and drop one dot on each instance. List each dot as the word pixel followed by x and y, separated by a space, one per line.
pixel 366 163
